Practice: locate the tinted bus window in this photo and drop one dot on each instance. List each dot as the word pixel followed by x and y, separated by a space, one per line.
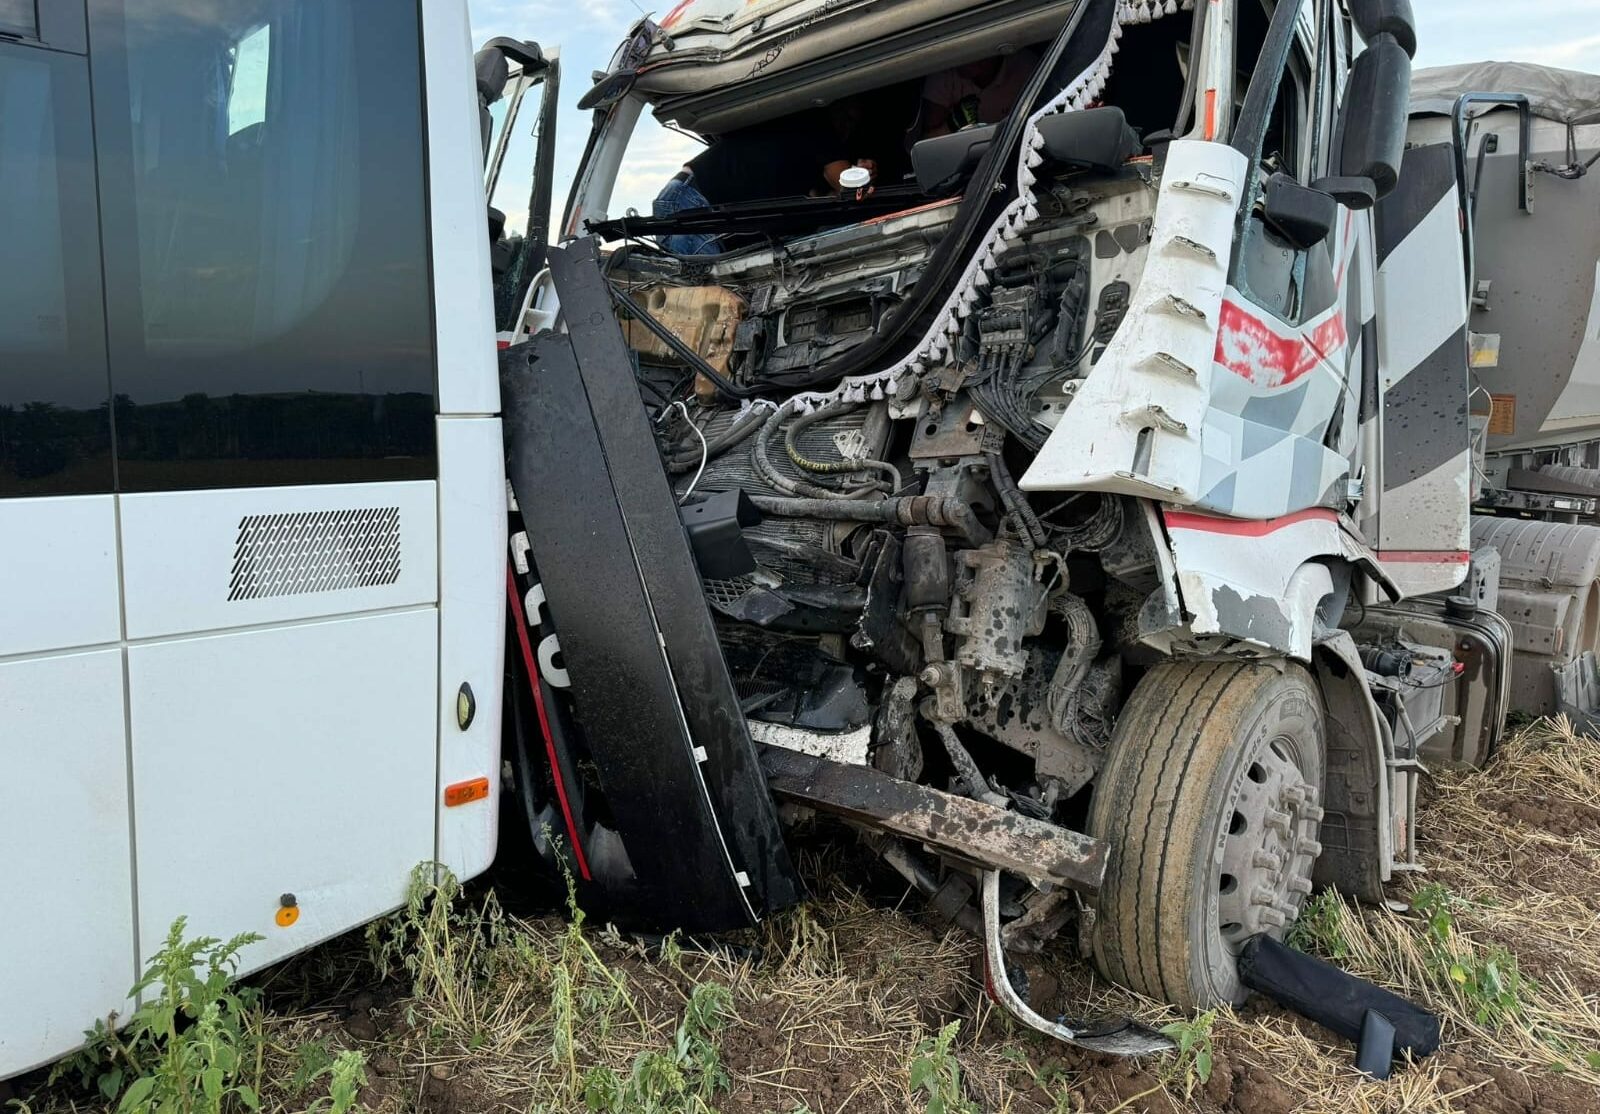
pixel 262 203
pixel 19 16
pixel 54 427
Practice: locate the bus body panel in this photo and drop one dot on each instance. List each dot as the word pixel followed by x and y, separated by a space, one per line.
pixel 291 765
pixel 66 948
pixel 248 423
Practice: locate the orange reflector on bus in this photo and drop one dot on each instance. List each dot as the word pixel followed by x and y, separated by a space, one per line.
pixel 465 792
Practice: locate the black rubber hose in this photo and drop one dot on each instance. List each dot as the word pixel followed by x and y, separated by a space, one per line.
pixel 741 428
pixel 1083 646
pixel 768 471
pixel 791 445
pixel 1016 503
pixel 913 510
pixel 1095 532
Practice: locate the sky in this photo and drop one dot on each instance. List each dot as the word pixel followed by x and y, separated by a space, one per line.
pixel 1564 33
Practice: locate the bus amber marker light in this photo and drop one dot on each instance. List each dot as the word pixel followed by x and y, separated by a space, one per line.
pixel 465 792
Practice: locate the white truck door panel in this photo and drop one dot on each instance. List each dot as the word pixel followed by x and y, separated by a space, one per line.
pixel 64 827
pixel 272 762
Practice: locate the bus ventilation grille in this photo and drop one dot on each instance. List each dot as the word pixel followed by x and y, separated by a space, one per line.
pixel 315 551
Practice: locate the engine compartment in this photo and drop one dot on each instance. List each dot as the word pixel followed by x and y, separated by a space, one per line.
pixel 875 572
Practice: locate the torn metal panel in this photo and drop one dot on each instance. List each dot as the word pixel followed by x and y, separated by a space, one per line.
pixel 1255 586
pixel 952 825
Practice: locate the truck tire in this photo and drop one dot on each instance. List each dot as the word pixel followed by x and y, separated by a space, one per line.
pixel 1209 803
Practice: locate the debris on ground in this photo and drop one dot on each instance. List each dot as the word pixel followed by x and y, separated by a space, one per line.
pixel 848 1005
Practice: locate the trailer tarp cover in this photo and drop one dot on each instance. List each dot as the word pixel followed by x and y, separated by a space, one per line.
pixel 1566 96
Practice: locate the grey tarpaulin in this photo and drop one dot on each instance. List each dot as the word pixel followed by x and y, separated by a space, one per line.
pixel 1566 96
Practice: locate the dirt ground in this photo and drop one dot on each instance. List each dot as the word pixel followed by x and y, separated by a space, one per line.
pixel 837 1006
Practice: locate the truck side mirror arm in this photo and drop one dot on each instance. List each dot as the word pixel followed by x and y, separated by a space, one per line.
pixel 1302 216
pixel 1352 193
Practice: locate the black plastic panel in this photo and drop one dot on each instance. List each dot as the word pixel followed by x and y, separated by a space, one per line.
pixel 732 772
pixel 623 691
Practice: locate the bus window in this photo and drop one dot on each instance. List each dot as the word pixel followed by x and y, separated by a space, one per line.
pixel 262 203
pixel 19 17
pixel 54 427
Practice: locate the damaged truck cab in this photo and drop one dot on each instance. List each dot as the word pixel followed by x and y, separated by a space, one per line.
pixel 1080 512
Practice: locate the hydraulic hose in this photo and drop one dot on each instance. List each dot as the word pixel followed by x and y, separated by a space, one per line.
pixel 769 472
pixel 913 510
pixel 804 421
pixel 1065 698
pixel 742 427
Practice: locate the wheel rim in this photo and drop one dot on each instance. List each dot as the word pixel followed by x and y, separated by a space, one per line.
pixel 1268 841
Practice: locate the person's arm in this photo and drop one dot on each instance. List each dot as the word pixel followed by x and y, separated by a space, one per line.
pixel 935 119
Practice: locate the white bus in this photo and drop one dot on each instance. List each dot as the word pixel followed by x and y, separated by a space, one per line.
pixel 252 505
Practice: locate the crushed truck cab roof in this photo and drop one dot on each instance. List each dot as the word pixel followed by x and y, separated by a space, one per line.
pixel 716 65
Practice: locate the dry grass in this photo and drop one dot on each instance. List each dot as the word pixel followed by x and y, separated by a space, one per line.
pixel 829 1003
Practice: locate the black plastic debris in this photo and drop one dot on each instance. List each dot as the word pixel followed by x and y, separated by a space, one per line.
pixel 1375 1053
pixel 715 525
pixel 1338 1000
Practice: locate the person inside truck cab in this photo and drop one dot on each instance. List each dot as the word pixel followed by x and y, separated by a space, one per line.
pixel 796 156
pixel 980 92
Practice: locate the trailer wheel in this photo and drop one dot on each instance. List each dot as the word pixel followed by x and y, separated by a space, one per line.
pixel 1209 802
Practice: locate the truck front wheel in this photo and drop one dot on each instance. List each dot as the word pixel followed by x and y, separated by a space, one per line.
pixel 1209 803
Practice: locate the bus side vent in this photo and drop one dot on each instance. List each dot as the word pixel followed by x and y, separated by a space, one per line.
pixel 315 551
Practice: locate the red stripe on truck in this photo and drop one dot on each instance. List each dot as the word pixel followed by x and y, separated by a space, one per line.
pixel 521 619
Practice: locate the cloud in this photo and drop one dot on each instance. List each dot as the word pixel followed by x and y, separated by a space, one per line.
pixel 1572 54
pixel 655 155
pixel 1539 31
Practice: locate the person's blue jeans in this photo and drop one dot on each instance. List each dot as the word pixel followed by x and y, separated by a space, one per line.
pixel 676 197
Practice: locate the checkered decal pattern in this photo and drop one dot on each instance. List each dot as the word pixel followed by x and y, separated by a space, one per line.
pixel 315 551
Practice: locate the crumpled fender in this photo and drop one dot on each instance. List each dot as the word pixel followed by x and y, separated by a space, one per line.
pixel 1260 582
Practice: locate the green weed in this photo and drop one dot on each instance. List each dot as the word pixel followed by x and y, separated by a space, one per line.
pixel 185 1045
pixel 679 1080
pixel 1195 1054
pixel 1487 981
pixel 935 1071
pixel 1319 930
pixel 346 1076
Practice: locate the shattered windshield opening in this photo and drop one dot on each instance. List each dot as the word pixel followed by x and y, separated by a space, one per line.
pixel 861 156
